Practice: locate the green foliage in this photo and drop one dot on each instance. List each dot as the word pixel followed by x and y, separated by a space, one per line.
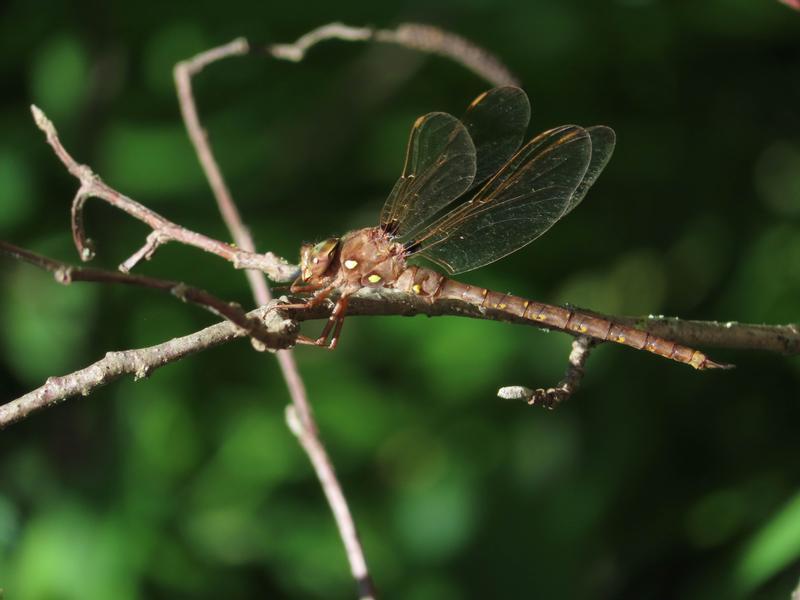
pixel 43 332
pixel 59 75
pixel 653 482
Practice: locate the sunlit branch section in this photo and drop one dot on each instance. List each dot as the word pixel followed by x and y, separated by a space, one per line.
pixel 139 362
pixel 416 36
pixel 164 230
pixel 65 274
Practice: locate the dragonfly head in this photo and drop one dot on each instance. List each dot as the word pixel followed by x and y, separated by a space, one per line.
pixel 315 259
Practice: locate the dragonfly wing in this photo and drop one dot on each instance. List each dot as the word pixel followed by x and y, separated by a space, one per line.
pixel 603 141
pixel 439 167
pixel 496 121
pixel 522 201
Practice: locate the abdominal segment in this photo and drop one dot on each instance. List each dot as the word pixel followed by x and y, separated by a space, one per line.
pixel 430 284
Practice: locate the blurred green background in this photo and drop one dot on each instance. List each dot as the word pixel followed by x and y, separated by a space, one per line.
pixel 655 481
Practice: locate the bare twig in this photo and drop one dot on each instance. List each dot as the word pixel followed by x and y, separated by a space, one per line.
pixel 323 466
pixel 781 339
pixel 66 274
pixel 373 302
pixel 552 397
pixel 437 41
pixel 296 51
pixel 139 363
pixel 364 302
pixel 91 186
pixel 424 38
pixel 302 422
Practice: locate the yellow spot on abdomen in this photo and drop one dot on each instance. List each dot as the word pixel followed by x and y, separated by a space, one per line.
pixel 582 329
pixel 374 278
pixel 621 339
pixel 416 288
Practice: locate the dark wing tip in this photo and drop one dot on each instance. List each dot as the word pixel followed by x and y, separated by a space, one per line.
pixel 603 136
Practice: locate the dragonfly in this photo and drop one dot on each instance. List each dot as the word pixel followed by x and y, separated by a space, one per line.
pixel 471 193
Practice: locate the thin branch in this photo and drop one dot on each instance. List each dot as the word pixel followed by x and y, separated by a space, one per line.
pixel 312 444
pixel 552 397
pixel 91 186
pixel 139 363
pixel 302 422
pixel 296 51
pixel 781 339
pixel 367 302
pixel 416 36
pixel 65 274
pixel 373 302
pixel 458 49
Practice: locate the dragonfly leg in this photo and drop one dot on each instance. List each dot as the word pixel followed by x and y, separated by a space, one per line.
pixel 335 322
pixel 337 331
pixel 296 288
pixel 318 298
pixel 305 340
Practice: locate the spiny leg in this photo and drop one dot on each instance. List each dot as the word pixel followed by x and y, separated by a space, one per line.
pixel 337 331
pixel 301 288
pixel 318 298
pixel 336 319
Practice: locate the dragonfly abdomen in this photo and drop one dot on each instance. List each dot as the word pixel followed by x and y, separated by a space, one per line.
pixel 429 283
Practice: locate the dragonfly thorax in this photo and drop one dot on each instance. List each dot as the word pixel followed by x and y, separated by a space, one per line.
pixel 369 258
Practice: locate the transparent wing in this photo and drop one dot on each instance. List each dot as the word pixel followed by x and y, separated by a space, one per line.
pixel 603 142
pixel 496 121
pixel 439 167
pixel 522 201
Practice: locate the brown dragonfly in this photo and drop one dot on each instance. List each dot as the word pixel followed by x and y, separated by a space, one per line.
pixel 470 195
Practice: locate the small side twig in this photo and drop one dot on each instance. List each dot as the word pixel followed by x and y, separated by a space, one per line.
pixel 416 36
pixel 551 397
pixel 296 51
pixel 428 38
pixel 139 362
pixel 263 338
pixel 164 230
